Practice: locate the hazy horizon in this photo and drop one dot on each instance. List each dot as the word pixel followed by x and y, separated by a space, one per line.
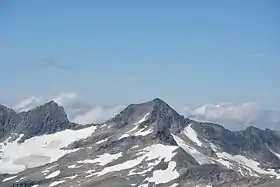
pixel 114 53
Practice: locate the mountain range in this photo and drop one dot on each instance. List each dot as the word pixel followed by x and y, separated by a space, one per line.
pixel 234 116
pixel 146 144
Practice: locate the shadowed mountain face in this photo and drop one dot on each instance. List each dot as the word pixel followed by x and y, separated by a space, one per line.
pixel 158 115
pixel 46 119
pixel 147 144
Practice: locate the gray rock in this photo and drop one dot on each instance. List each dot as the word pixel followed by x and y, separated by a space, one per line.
pixel 164 122
pixel 45 119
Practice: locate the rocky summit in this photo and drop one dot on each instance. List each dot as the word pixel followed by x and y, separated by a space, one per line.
pixel 147 144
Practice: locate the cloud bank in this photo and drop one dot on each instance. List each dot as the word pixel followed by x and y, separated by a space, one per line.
pixel 98 115
pixel 234 116
pixel 77 112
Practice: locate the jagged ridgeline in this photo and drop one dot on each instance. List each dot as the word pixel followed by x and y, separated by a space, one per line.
pixel 147 144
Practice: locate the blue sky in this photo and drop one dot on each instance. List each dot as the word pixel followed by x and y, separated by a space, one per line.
pixel 118 52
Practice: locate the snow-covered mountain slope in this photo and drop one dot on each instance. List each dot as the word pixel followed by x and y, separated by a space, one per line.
pixel 147 144
pixel 38 150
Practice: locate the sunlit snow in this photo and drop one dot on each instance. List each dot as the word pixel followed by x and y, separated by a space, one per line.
pixel 157 151
pixel 102 160
pixel 192 135
pixel 38 150
pixel 102 141
pixel 228 160
pixel 164 176
pixel 53 174
pixel 55 183
pixel 143 119
pixel 199 157
pixel 9 178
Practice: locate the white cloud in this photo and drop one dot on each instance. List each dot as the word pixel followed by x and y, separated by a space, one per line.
pixel 32 102
pixel 77 112
pixel 27 104
pixel 98 115
pixel 236 115
pixel 231 111
pixel 65 98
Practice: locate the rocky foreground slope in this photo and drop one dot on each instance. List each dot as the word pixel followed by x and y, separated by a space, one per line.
pixel 147 144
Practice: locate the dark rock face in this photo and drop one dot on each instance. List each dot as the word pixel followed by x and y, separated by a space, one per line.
pixel 252 142
pixel 45 119
pixel 162 118
pixel 8 121
pixel 193 158
pixel 210 173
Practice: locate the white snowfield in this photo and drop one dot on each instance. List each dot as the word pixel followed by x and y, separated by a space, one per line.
pixel 53 174
pixel 145 117
pixel 102 141
pixel 9 178
pixel 157 152
pixel 192 135
pixel 164 176
pixel 135 132
pixel 251 165
pixel 224 158
pixel 102 160
pixel 38 150
pixel 193 152
pixel 55 183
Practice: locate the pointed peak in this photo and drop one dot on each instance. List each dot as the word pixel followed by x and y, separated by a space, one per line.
pixel 49 106
pixel 158 100
pixel 51 102
pixel 6 108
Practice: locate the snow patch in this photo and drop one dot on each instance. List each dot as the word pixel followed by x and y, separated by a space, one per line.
pixel 9 178
pixel 20 179
pixel 72 166
pixel 102 160
pixel 276 154
pixel 144 118
pixel 39 150
pixel 123 136
pixel 143 132
pixel 102 141
pixel 164 176
pixel 251 165
pixel 55 183
pixel 192 135
pixel 157 151
pixel 53 174
pixel 198 156
pixel 72 177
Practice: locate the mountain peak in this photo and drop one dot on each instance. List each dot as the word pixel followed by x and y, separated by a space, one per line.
pixel 156 115
pixel 44 119
pixel 158 101
pixel 51 103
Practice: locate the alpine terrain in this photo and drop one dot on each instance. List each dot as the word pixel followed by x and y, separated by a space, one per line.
pixel 147 144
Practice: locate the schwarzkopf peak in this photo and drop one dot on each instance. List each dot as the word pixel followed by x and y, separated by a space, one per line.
pixel 147 144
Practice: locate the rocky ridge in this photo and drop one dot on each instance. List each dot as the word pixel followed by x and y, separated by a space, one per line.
pixel 147 144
